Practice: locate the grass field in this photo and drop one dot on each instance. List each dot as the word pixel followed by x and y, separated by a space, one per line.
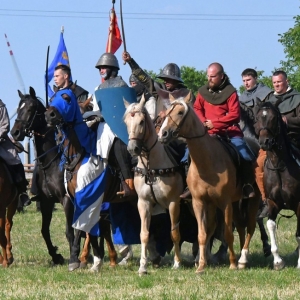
pixel 31 276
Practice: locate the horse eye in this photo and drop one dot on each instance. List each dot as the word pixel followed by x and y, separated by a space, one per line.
pixel 180 113
pixel 142 123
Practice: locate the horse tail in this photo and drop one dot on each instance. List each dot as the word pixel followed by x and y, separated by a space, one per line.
pixel 243 209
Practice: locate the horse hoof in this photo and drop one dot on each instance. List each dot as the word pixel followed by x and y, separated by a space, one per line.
pixel 83 265
pixel 176 265
pixel 73 266
pixel 242 266
pixel 10 260
pixel 143 273
pixel 200 272
pixel 233 267
pixel 156 262
pixel 279 266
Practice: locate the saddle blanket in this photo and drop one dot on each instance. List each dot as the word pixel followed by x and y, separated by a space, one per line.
pixel 91 180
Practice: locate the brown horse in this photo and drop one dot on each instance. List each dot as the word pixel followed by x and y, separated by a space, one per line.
pixel 281 173
pixel 8 207
pixel 157 177
pixel 212 180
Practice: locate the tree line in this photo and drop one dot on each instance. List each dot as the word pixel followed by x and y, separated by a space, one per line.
pixel 290 41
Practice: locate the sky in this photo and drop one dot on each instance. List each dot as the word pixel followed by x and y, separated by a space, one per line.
pixel 236 33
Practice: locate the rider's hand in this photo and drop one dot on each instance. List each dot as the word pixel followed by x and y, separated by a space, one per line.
pixel 209 124
pixel 126 56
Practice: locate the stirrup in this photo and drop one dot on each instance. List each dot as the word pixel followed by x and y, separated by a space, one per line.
pixel 248 191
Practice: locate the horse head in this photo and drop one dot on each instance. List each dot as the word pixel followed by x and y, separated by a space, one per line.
pixel 30 116
pixel 138 121
pixel 268 125
pixel 63 109
pixel 174 117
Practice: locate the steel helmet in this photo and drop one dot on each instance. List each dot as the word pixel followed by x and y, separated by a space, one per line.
pixel 171 71
pixel 107 59
pixel 132 78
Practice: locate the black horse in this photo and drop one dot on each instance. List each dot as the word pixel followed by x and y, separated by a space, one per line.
pixel 31 122
pixel 247 125
pixel 281 172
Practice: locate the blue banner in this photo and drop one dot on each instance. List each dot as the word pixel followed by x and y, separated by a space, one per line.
pixel 61 58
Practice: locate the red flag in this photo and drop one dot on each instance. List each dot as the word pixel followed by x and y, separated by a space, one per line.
pixel 114 36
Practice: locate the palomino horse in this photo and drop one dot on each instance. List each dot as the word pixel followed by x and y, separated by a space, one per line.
pixel 281 173
pixel 8 207
pixel 212 180
pixel 31 122
pixel 73 155
pixel 157 178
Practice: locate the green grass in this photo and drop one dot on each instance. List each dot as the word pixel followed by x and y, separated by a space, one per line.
pixel 31 276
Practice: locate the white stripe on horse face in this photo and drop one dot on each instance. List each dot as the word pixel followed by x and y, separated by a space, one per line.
pixel 164 124
pixel 264 113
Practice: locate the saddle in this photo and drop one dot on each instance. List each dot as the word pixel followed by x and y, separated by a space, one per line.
pixel 231 150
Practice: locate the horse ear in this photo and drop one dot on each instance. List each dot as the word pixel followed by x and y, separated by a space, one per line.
pixel 126 103
pixel 55 88
pixel 187 98
pixel 258 101
pixel 171 97
pixel 73 86
pixel 20 94
pixel 32 92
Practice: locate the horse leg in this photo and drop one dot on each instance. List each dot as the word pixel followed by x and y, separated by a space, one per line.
pixel 74 262
pixel 298 234
pixel 174 210
pixel 205 215
pixel 278 262
pixel 85 252
pixel 97 254
pixel 154 256
pixel 145 211
pixel 229 235
pixel 47 206
pixel 264 237
pixel 69 212
pixel 8 226
pixel 105 229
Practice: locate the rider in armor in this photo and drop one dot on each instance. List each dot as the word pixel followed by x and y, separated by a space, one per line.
pixel 9 155
pixel 256 90
pixel 108 67
pixel 172 81
pixel 141 90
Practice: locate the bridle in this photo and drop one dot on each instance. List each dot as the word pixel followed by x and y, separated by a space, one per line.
pixel 175 133
pixel 274 134
pixel 142 139
pixel 27 125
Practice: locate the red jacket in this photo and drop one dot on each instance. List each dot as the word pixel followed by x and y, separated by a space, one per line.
pixel 225 116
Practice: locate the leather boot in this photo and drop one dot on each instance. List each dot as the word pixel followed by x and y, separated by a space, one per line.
pixel 128 188
pixel 264 211
pixel 247 174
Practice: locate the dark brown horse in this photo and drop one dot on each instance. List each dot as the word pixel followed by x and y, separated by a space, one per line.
pixel 31 122
pixel 212 180
pixel 8 207
pixel 73 154
pixel 281 173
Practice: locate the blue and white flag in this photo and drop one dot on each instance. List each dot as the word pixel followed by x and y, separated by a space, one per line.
pixel 91 181
pixel 61 58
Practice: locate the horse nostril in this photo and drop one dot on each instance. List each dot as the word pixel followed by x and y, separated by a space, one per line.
pixel 165 134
